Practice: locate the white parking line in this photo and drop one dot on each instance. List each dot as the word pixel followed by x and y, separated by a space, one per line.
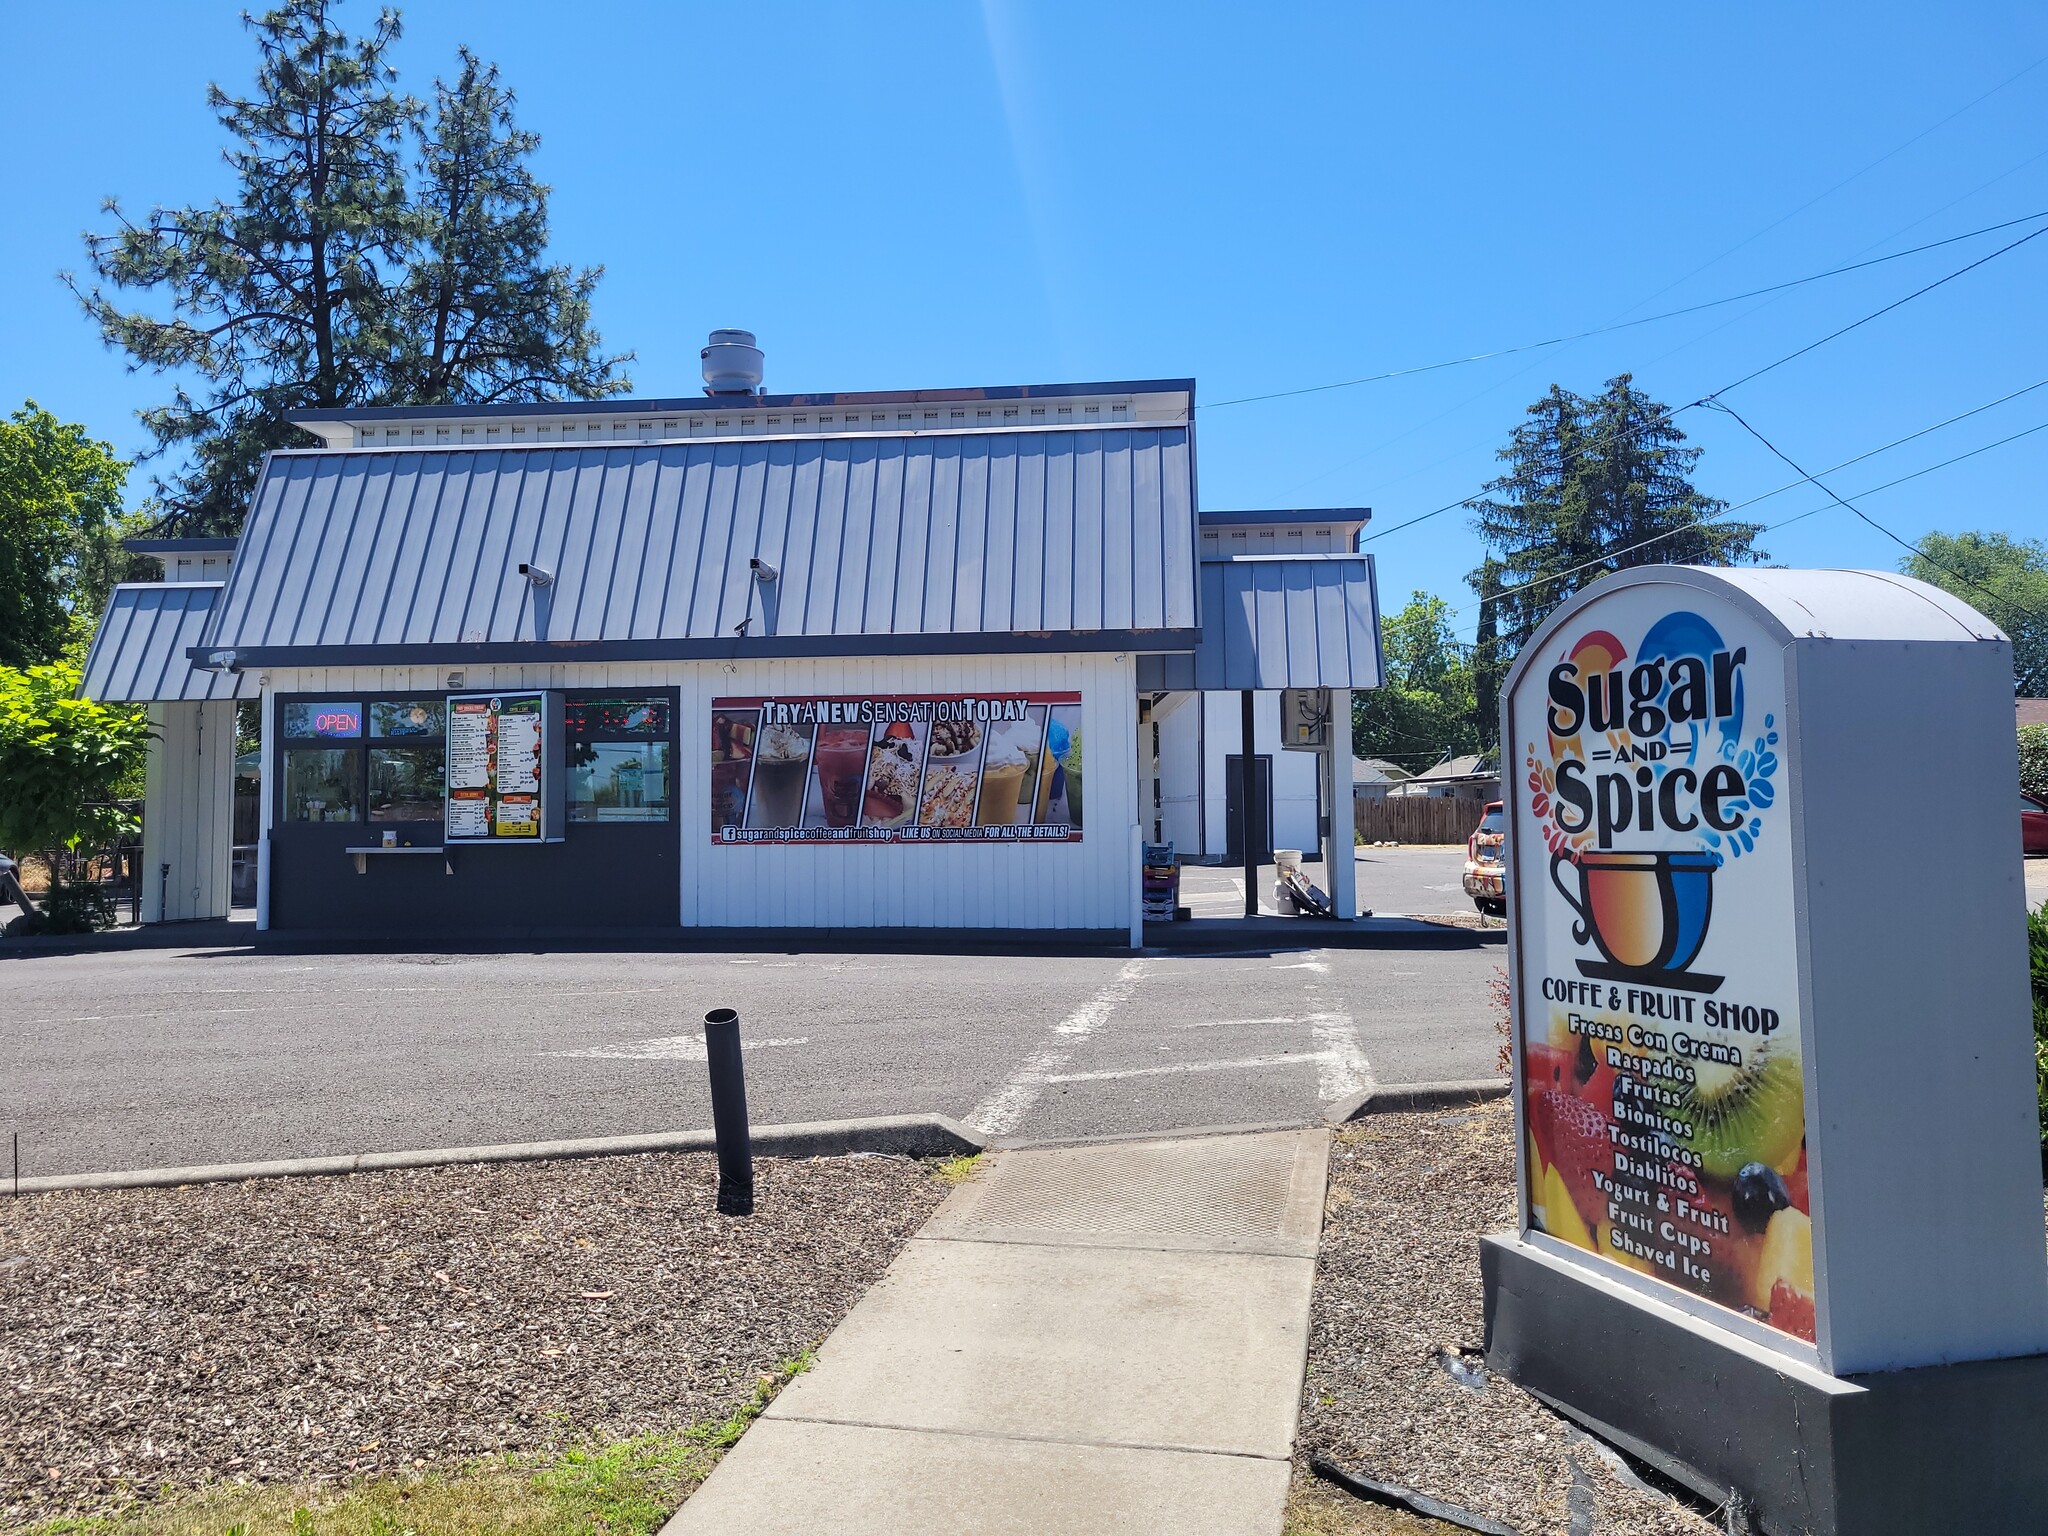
pixel 1234 1023
pixel 667 1048
pixel 1001 1112
pixel 1242 1064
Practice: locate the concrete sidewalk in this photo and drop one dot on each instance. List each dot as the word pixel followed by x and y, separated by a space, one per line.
pixel 1082 1339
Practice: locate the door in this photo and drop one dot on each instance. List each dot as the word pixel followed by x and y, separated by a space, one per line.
pixel 1262 808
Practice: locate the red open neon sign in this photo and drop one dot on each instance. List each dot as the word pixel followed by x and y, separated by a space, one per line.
pixel 338 722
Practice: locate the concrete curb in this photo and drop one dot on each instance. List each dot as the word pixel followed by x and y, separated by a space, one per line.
pixel 1394 1098
pixel 898 1135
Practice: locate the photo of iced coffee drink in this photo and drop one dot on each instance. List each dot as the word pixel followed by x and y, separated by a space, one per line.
pixel 842 758
pixel 782 764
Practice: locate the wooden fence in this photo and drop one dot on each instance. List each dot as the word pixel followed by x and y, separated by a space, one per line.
pixel 1418 818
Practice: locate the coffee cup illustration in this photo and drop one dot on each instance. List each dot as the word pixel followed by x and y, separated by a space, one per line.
pixel 1647 913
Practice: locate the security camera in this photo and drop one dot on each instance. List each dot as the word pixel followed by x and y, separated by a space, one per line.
pixel 537 575
pixel 763 571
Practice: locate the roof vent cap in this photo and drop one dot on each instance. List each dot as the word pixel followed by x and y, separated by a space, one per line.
pixel 732 364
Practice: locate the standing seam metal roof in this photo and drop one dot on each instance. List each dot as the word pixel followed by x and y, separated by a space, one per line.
pixel 1280 621
pixel 995 534
pixel 139 654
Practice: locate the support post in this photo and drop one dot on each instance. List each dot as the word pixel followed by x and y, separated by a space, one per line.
pixel 729 1113
pixel 1247 780
pixel 1340 868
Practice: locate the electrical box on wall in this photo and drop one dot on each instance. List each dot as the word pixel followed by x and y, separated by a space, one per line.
pixel 1305 719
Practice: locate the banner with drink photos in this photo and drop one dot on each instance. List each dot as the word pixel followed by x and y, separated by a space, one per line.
pixel 901 768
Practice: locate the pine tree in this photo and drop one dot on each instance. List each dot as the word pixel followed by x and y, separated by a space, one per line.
pixel 302 291
pixel 279 300
pixel 1593 486
pixel 484 316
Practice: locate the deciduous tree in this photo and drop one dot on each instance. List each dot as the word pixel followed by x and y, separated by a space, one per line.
pixel 2005 579
pixel 60 495
pixel 1425 709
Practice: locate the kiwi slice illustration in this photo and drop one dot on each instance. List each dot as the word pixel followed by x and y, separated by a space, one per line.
pixel 1754 1113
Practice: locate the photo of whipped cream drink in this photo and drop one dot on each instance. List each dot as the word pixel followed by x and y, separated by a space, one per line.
pixel 884 770
pixel 894 766
pixel 782 762
pixel 1005 762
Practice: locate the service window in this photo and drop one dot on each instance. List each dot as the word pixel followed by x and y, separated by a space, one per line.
pixel 345 762
pixel 320 784
pixel 408 759
pixel 618 756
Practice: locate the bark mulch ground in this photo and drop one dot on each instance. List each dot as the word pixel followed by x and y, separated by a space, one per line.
pixel 311 1330
pixel 1397 1290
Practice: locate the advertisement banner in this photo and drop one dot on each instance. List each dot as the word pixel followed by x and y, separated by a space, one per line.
pixel 496 751
pixel 1656 990
pixel 897 768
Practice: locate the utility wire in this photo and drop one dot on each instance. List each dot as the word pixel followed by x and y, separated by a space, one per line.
pixel 1665 416
pixel 1656 538
pixel 1911 549
pixel 1853 176
pixel 1852 325
pixel 1623 325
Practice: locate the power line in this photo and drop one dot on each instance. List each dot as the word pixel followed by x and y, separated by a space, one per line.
pixel 1656 538
pixel 1852 325
pixel 1602 330
pixel 1666 415
pixel 1911 549
pixel 1853 176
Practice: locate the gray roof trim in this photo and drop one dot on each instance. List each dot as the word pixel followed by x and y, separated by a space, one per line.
pixel 142 650
pixel 733 648
pixel 676 405
pixel 1280 621
pixel 805 435
pixel 1358 515
pixel 922 540
pixel 178 546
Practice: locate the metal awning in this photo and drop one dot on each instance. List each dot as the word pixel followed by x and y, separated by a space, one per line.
pixel 1047 539
pixel 1285 621
pixel 139 655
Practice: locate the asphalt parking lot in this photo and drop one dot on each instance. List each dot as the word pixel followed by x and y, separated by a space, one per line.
pixel 153 1058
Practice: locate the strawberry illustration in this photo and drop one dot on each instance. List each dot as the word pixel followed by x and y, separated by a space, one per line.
pixel 1575 1132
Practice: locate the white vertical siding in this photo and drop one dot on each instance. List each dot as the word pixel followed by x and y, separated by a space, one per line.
pixel 188 812
pixel 1294 773
pixel 1091 884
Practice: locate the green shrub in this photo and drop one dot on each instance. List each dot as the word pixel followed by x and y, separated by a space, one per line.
pixel 2037 965
pixel 2034 759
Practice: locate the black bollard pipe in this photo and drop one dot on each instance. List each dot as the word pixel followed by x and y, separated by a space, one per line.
pixel 729 1113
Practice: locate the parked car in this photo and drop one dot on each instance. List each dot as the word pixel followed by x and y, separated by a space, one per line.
pixel 1486 869
pixel 2033 824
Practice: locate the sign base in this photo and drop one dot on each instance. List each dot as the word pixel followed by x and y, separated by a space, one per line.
pixel 1938 1448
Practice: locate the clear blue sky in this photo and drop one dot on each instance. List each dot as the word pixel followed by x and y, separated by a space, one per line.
pixel 949 194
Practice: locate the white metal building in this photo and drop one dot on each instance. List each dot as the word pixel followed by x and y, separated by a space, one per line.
pixel 750 662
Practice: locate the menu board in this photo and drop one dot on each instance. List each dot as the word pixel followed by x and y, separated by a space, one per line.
pixel 899 768
pixel 497 743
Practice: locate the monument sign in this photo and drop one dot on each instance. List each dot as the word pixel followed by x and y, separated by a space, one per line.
pixel 1773 1060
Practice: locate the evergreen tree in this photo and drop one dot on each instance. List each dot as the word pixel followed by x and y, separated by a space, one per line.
pixel 301 292
pixel 279 300
pixel 484 316
pixel 1423 710
pixel 1593 486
